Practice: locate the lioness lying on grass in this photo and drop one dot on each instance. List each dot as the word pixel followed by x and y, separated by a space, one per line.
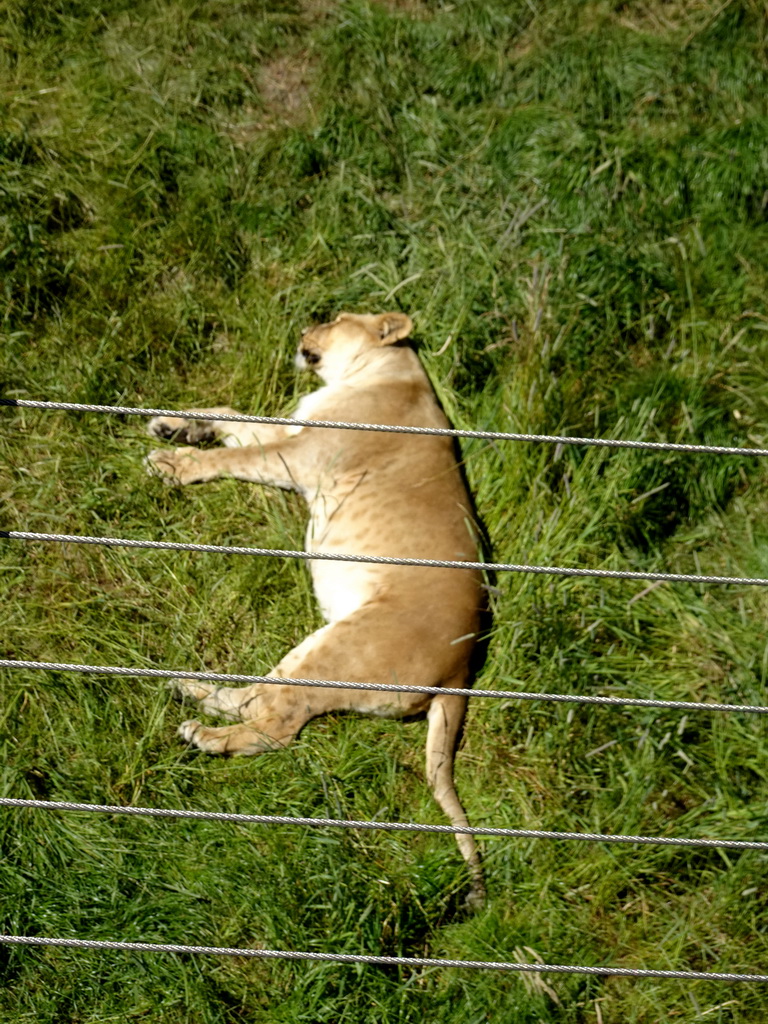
pixel 369 494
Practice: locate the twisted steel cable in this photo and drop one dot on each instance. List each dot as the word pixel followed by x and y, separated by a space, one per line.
pixel 336 684
pixel 378 826
pixel 388 961
pixel 487 435
pixel 426 563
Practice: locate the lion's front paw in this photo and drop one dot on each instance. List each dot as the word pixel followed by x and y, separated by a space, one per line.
pixel 166 427
pixel 188 730
pixel 181 466
pixel 177 429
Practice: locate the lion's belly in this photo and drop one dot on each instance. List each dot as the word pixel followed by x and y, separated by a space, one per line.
pixel 342 588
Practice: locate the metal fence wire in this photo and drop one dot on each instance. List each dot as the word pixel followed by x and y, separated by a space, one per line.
pixel 421 563
pixel 482 435
pixel 382 961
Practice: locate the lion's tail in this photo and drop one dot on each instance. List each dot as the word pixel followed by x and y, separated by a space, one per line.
pixel 445 717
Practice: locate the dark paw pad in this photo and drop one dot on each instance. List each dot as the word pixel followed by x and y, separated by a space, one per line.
pixel 168 433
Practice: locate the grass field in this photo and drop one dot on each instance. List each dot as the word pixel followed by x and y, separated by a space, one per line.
pixel 570 200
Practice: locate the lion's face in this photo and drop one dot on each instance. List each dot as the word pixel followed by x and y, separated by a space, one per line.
pixel 336 349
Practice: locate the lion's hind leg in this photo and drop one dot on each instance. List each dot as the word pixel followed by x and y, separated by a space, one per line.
pixel 273 714
pixel 253 737
pixel 227 701
pixel 269 716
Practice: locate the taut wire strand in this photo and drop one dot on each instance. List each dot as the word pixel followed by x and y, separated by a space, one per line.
pixel 389 961
pixel 336 684
pixel 425 563
pixel 379 826
pixel 483 435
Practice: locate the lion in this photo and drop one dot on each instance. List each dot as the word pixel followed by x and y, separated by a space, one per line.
pixel 369 493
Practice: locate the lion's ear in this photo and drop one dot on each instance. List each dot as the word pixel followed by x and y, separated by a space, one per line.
pixel 393 327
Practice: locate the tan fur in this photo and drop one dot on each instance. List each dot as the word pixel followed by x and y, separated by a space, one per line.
pixel 368 493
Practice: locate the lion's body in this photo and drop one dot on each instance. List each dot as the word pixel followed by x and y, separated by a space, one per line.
pixel 369 493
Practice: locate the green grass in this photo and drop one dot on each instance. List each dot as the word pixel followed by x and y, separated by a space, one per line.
pixel 570 199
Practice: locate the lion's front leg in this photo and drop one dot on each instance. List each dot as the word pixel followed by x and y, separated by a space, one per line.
pixel 182 465
pixel 281 465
